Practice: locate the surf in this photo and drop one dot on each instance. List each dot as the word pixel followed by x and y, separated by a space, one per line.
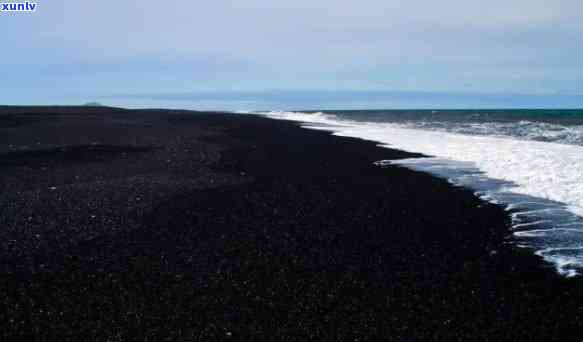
pixel 539 182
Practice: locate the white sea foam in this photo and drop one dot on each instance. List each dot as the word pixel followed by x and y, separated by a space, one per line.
pixel 541 182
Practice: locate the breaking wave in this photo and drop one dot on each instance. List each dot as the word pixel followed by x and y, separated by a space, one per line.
pixel 533 168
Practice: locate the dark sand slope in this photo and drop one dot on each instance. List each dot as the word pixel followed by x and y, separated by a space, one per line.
pixel 154 225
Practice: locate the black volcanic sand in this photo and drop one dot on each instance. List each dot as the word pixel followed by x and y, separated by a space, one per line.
pixel 156 225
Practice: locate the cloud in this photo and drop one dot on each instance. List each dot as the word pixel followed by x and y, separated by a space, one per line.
pixel 417 44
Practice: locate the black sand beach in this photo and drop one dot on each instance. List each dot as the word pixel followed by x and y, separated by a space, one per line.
pixel 119 225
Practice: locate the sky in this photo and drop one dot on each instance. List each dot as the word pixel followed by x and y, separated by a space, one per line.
pixel 70 49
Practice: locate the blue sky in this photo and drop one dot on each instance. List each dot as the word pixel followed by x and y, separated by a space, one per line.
pixel 87 49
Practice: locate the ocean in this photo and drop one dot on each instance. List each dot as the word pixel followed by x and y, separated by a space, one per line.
pixel 529 161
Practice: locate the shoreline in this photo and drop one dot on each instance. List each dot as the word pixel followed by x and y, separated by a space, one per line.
pixel 252 228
